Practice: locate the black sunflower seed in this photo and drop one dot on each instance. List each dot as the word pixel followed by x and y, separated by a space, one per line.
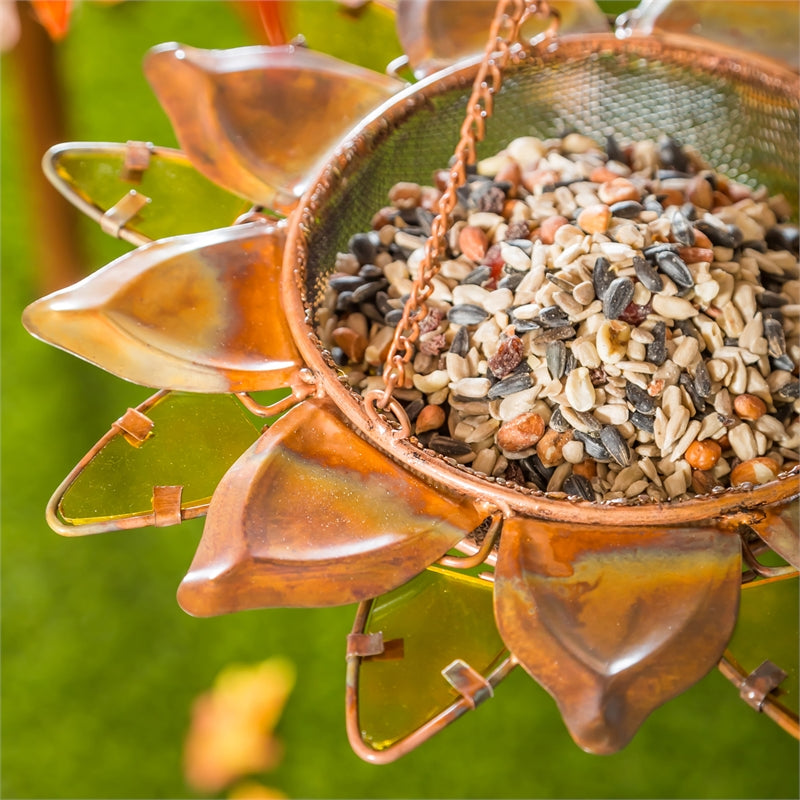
pixel 393 317
pixel 448 447
pixel 718 235
pixel 578 486
pixel 345 283
pixel 511 281
pixel 784 237
pixel 593 447
pixel 556 357
pixel 685 380
pixel 783 362
pixel 673 266
pixel 671 154
pixel 557 421
pixel 602 275
pixel 767 299
pixel 565 286
pixel 370 311
pixel 552 317
pixel 364 247
pixel 613 150
pixel 554 334
pixel 647 274
pixel 656 351
pixel 640 399
pixel 413 408
pixel 788 392
pixel 478 275
pixel 368 290
pixel 535 471
pixel 460 343
pixel 682 229
pixel 344 301
pixel 467 314
pixel 382 303
pixel 653 250
pixel 616 445
pixel 516 382
pixel 617 297
pixel 626 209
pixel 776 340
pixel 582 419
pixel 644 422
pixel 702 380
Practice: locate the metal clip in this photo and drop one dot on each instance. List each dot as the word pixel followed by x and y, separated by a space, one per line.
pixel 759 683
pixel 122 212
pixel 137 160
pixel 468 682
pixel 135 426
pixel 361 645
pixel 166 505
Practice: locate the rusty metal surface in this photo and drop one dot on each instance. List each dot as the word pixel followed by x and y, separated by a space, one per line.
pixel 312 515
pixel 614 622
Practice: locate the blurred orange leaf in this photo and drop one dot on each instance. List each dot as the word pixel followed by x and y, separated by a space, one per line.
pixel 54 16
pixel 231 730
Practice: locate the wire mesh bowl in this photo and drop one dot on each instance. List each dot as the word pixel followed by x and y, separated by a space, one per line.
pixel 740 115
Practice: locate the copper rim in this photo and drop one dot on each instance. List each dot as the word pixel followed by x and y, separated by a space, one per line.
pixel 727 508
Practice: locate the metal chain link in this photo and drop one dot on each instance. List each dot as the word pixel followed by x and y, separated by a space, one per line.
pixel 503 34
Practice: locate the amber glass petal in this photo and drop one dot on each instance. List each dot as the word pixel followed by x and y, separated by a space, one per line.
pixel 425 625
pixel 198 313
pixel 312 515
pixel 257 119
pixel 177 199
pixel 767 629
pixel 172 439
pixel 615 622
pixel 435 33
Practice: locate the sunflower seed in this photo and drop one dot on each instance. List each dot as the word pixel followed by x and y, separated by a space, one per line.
pixel 640 399
pixel 617 297
pixel 647 274
pixel 644 422
pixel 616 445
pixel 556 356
pixel 602 275
pixel 593 446
pixel 516 382
pixel 682 229
pixel 467 314
pixel 578 486
pixel 776 340
pixel 448 447
pixel 580 420
pixel 674 267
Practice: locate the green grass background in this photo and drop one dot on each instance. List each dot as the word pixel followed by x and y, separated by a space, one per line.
pixel 99 665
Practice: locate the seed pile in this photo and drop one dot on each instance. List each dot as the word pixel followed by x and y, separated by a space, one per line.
pixel 608 323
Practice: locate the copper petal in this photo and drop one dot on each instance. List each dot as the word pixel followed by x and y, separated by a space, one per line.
pixel 780 529
pixel 257 119
pixel 615 622
pixel 436 33
pixel 312 515
pixel 198 313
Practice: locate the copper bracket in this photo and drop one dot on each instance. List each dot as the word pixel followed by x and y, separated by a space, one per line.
pixel 122 212
pixel 137 160
pixel 759 683
pixel 362 645
pixel 135 426
pixel 166 505
pixel 468 682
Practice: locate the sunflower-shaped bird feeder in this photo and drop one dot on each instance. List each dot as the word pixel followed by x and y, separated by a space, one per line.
pixel 537 318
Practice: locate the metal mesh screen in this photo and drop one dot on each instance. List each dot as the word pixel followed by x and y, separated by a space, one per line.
pixel 741 118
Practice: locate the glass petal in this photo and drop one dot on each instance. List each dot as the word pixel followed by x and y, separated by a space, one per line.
pixel 172 439
pixel 767 628
pixel 426 624
pixel 613 622
pixel 177 198
pixel 256 120
pixel 436 33
pixel 312 515
pixel 198 313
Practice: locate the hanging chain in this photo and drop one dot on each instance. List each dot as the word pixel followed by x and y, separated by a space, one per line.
pixel 504 32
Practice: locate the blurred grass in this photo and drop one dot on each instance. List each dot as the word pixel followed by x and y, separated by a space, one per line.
pixel 99 665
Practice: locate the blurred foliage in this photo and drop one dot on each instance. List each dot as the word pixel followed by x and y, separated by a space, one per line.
pixel 100 666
